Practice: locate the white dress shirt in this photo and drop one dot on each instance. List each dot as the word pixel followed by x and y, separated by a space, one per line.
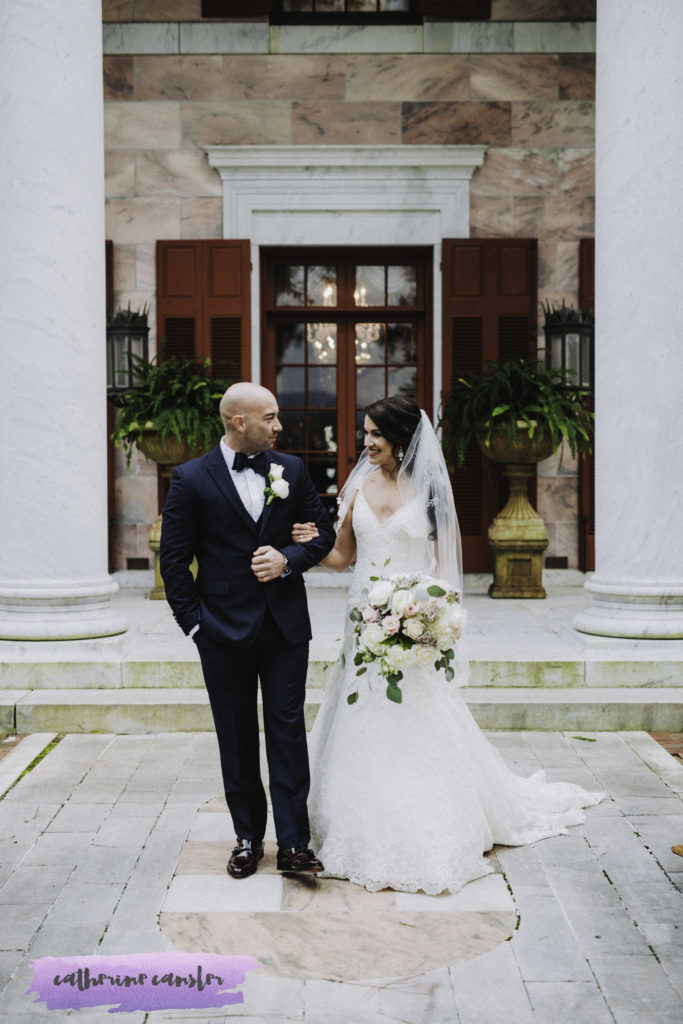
pixel 250 485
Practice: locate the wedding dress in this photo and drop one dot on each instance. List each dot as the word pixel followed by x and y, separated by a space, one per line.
pixel 409 796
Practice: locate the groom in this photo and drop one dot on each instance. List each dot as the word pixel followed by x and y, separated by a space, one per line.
pixel 233 510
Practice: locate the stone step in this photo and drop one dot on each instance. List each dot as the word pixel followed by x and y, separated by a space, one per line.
pixel 149 710
pixel 179 668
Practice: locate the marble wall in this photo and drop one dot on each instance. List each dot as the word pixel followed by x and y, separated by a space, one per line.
pixel 522 87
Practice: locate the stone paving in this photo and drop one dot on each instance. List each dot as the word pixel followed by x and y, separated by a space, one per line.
pixel 117 844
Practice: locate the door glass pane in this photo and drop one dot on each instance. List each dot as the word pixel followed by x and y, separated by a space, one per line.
pixel 369 290
pixel 362 5
pixel 290 343
pixel 402 380
pixel 370 343
pixel 369 384
pixel 321 286
pixel 322 386
pixel 322 431
pixel 572 342
pixel 401 286
pixel 293 436
pixel 289 285
pixel 291 385
pixel 327 6
pixel 323 470
pixel 297 5
pixel 401 343
pixel 322 343
pixel 394 5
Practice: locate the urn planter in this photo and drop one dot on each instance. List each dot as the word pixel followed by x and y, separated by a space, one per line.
pixel 517 536
pixel 168 454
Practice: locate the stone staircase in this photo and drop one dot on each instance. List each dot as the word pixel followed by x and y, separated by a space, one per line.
pixel 529 669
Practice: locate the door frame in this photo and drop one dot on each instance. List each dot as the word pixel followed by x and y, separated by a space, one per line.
pixel 346 196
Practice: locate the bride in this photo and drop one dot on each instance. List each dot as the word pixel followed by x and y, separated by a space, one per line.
pixel 411 795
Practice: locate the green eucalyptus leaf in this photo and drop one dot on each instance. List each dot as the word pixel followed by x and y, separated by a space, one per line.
pixel 352 698
pixel 394 693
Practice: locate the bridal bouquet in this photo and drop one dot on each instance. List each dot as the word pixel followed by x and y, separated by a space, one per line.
pixel 406 621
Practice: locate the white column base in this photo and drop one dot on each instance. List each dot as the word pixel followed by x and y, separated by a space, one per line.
pixel 60 610
pixel 637 611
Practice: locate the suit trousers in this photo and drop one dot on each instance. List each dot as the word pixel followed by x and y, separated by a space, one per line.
pixel 232 675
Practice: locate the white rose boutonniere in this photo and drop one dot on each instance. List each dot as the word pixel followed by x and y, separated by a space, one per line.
pixel 277 485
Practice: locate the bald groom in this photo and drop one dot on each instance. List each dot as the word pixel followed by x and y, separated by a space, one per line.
pixel 248 616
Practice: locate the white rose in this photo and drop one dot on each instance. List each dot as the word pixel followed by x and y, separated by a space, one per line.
pixel 456 616
pixel 372 638
pixel 275 471
pixel 414 628
pixel 396 658
pixel 280 488
pixel 380 593
pixel 401 600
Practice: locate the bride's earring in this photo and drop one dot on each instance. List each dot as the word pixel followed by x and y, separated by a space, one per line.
pixel 399 454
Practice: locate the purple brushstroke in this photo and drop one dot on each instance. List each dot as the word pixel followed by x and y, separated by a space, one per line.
pixel 140 981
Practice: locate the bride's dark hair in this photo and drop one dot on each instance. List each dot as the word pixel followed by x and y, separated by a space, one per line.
pixel 397 417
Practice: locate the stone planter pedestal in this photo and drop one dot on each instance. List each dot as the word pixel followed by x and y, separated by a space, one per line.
pixel 518 535
pixel 167 454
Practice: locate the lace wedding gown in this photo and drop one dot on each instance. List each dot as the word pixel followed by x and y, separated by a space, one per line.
pixel 409 796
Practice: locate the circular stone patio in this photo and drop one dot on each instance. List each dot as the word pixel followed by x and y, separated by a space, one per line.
pixel 298 926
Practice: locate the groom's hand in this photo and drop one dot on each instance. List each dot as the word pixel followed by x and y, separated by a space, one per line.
pixel 267 564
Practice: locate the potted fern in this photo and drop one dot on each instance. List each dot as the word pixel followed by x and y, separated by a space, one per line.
pixel 171 412
pixel 518 412
pixel 170 415
pixel 519 404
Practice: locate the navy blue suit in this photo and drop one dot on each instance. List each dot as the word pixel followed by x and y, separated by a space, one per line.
pixel 248 630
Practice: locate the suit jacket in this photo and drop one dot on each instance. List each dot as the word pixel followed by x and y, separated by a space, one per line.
pixel 204 517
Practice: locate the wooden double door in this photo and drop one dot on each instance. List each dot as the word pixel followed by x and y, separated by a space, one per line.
pixel 341 329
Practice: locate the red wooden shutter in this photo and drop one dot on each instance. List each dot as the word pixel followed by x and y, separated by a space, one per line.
pixel 178 299
pixel 226 317
pixel 489 312
pixel 587 462
pixel 203 304
pixel 111 410
pixel 109 272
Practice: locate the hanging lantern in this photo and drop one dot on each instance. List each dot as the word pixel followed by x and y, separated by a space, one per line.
pixel 569 344
pixel 127 342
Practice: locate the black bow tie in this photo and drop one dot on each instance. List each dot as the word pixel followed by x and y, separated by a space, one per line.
pixel 256 462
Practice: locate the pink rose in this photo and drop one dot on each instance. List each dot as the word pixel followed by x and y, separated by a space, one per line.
pixel 391 624
pixel 369 614
pixel 411 609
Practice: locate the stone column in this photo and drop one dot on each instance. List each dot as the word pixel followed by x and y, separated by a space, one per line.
pixel 53 510
pixel 638 584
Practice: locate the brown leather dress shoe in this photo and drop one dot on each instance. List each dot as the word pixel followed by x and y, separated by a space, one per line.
pixel 297 858
pixel 244 858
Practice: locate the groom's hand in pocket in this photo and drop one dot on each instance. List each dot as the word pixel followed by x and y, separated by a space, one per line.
pixel 267 564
